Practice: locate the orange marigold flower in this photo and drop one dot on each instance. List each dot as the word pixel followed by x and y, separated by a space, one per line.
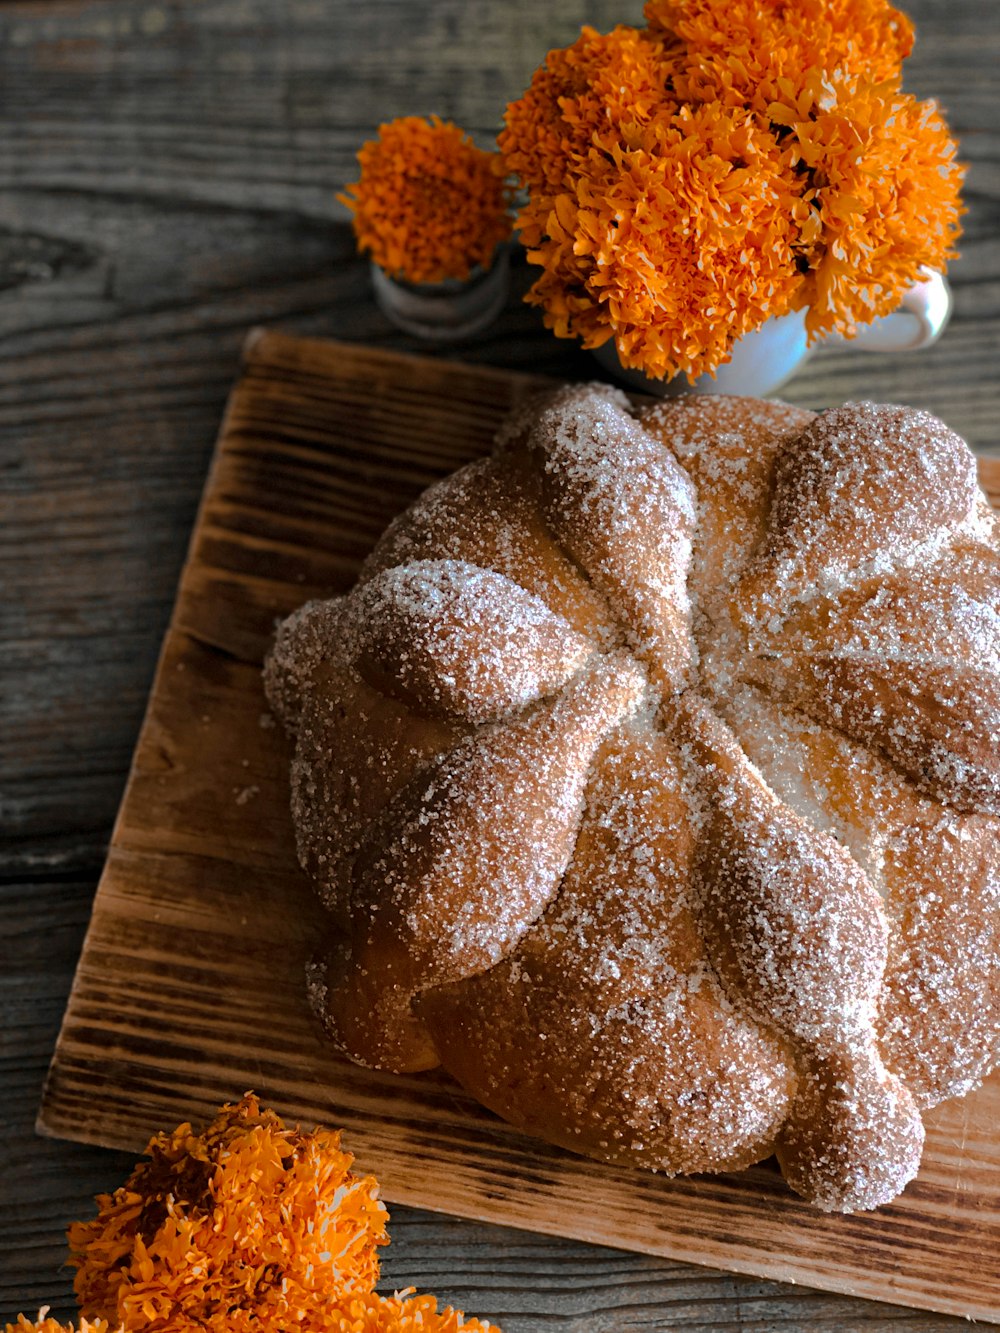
pixel 402 1313
pixel 247 1226
pixel 745 46
pixel 365 1312
pixel 429 204
pixel 884 188
pixel 728 163
pixel 44 1324
pixel 654 244
pixel 611 84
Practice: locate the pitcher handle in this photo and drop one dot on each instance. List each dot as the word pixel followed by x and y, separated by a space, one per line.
pixel 920 320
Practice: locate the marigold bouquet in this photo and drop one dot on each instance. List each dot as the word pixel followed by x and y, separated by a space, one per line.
pixel 727 163
pixel 429 205
pixel 250 1226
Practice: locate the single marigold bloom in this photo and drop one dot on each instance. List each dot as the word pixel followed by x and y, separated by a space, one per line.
pixel 44 1324
pixel 884 189
pixel 248 1226
pixel 743 47
pixel 402 1313
pixel 612 84
pixel 726 164
pixel 429 204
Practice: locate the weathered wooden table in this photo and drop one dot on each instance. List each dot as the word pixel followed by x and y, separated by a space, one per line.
pixel 168 174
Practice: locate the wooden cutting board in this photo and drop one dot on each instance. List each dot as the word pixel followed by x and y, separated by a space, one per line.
pixel 190 986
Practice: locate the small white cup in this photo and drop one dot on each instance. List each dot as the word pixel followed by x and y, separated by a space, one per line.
pixel 769 356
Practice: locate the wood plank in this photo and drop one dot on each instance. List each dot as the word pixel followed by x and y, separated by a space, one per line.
pixel 189 987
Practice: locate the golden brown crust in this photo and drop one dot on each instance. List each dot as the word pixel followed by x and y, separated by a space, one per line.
pixel 853 1137
pixel 939 1020
pixel 469 853
pixel 728 448
pixel 651 770
pixel 434 633
pixel 622 508
pixel 605 1029
pixel 488 514
pixel 938 724
pixel 864 487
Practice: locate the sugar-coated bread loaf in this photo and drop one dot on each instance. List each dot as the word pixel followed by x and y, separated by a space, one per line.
pixel 651 776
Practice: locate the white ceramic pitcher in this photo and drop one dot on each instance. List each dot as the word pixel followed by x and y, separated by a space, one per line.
pixel 765 359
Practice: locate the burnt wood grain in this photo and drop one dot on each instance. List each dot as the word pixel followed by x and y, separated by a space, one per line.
pixel 167 179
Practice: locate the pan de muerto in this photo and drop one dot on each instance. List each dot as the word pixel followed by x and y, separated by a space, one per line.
pixel 651 775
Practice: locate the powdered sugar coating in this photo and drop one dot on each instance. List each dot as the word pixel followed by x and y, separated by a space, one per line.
pixel 651 770
pixel 865 489
pixel 462 640
pixel 612 982
pixel 618 503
